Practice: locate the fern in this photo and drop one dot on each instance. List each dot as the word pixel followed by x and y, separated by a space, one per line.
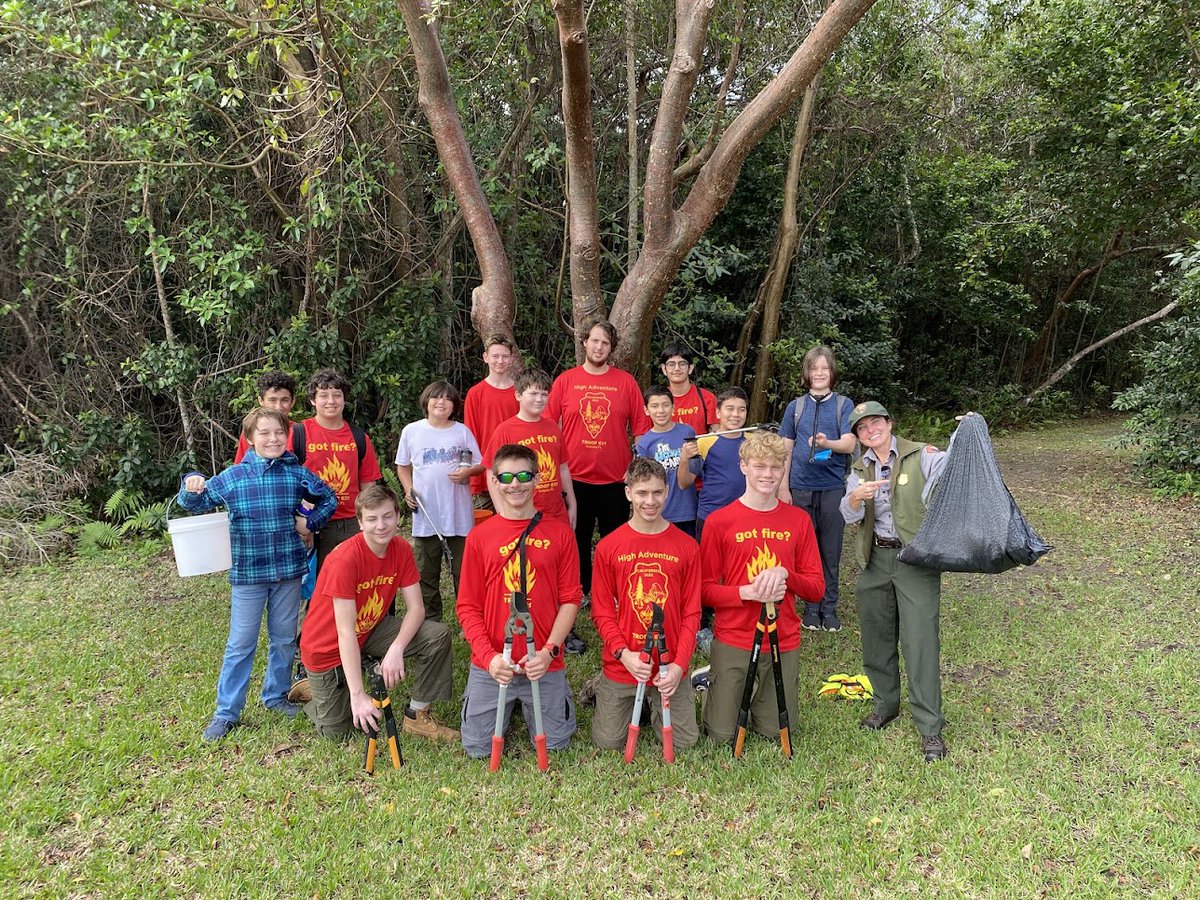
pixel 149 519
pixel 123 503
pixel 99 536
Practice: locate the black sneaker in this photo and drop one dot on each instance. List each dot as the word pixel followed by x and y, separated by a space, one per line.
pixel 700 680
pixel 812 617
pixel 574 644
pixel 831 623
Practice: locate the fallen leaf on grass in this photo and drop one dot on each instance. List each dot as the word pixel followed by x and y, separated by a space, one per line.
pixel 996 792
pixel 1027 851
pixel 875 820
pixel 678 851
pixel 449 792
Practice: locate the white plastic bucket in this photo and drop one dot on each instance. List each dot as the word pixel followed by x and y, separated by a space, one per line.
pixel 201 543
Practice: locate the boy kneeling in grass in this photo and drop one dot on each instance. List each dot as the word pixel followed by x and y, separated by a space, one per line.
pixel 756 550
pixel 646 561
pixel 491 573
pixel 263 495
pixel 349 616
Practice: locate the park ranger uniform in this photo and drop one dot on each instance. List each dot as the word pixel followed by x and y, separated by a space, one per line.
pixel 896 599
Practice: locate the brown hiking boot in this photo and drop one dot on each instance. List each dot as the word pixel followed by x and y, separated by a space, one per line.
pixel 301 692
pixel 422 724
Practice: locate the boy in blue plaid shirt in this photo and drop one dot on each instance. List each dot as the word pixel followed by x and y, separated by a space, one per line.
pixel 267 525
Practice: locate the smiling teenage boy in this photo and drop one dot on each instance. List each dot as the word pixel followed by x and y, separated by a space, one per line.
pixel 721 468
pixel 276 390
pixel 756 550
pixel 491 573
pixel 694 405
pixel 664 443
pixel 435 461
pixel 816 429
pixel 263 494
pixel 348 617
pixel 339 453
pixel 490 402
pixel 555 494
pixel 646 561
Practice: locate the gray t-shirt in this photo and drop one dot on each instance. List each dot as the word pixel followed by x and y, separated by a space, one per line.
pixel 434 453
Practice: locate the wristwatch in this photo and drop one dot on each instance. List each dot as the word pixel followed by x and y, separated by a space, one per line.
pixel 617 653
pixel 554 649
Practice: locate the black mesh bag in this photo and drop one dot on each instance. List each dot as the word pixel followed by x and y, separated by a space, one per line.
pixel 972 523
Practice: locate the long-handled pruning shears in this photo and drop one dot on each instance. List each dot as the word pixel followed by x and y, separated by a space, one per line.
pixel 520 622
pixel 768 624
pixel 656 640
pixel 379 696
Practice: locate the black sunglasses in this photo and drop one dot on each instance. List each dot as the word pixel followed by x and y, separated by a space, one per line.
pixel 509 477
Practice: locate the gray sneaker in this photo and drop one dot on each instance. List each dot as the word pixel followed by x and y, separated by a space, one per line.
pixel 700 680
pixel 285 707
pixel 217 729
pixel 704 639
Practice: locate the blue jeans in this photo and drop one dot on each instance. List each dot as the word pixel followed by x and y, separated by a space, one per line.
pixel 282 602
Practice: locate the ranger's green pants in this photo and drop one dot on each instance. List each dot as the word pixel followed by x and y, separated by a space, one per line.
pixel 900 604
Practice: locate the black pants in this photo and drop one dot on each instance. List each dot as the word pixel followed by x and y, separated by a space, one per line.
pixel 600 506
pixel 822 508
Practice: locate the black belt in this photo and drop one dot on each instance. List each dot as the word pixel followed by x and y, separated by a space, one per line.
pixel 888 543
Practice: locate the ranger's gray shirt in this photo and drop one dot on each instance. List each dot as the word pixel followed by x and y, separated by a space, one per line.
pixel 931 464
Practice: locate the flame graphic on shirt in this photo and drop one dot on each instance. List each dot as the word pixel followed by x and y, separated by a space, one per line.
pixel 337 476
pixel 647 584
pixel 369 613
pixel 545 468
pixel 512 574
pixel 594 409
pixel 761 561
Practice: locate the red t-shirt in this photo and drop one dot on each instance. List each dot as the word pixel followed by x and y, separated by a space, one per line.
pixel 333 457
pixel 597 412
pixel 491 572
pixel 484 408
pixel 737 544
pixel 544 438
pixel 632 571
pixel 698 408
pixel 244 445
pixel 352 571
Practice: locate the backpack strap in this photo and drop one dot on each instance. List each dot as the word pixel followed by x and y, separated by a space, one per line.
pixel 299 441
pixel 360 441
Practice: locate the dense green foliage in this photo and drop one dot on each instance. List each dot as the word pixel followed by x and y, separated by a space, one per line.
pixel 1165 406
pixel 197 191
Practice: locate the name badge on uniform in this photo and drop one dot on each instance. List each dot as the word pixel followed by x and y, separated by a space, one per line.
pixel 903 479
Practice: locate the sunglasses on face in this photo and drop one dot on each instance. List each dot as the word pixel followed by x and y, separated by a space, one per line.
pixel 509 477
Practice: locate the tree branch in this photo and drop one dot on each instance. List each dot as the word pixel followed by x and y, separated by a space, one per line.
pixel 493 301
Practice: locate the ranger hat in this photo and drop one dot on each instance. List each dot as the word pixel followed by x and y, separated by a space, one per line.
pixel 870 408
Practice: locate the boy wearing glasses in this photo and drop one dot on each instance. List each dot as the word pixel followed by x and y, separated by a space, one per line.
pixel 491 573
pixel 693 405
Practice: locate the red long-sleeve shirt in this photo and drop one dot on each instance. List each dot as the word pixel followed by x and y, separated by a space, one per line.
pixel 737 544
pixel 491 572
pixel 631 572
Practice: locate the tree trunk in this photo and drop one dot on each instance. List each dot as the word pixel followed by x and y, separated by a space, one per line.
pixel 631 133
pixel 587 300
pixel 1040 355
pixel 184 415
pixel 493 301
pixel 771 289
pixel 671 234
pixel 1061 372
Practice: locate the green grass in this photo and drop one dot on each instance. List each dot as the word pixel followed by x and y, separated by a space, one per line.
pixel 1070 689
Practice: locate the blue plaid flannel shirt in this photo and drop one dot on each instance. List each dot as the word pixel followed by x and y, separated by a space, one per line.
pixel 263 497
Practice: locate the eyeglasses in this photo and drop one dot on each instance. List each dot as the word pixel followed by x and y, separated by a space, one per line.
pixel 509 477
pixel 677 364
